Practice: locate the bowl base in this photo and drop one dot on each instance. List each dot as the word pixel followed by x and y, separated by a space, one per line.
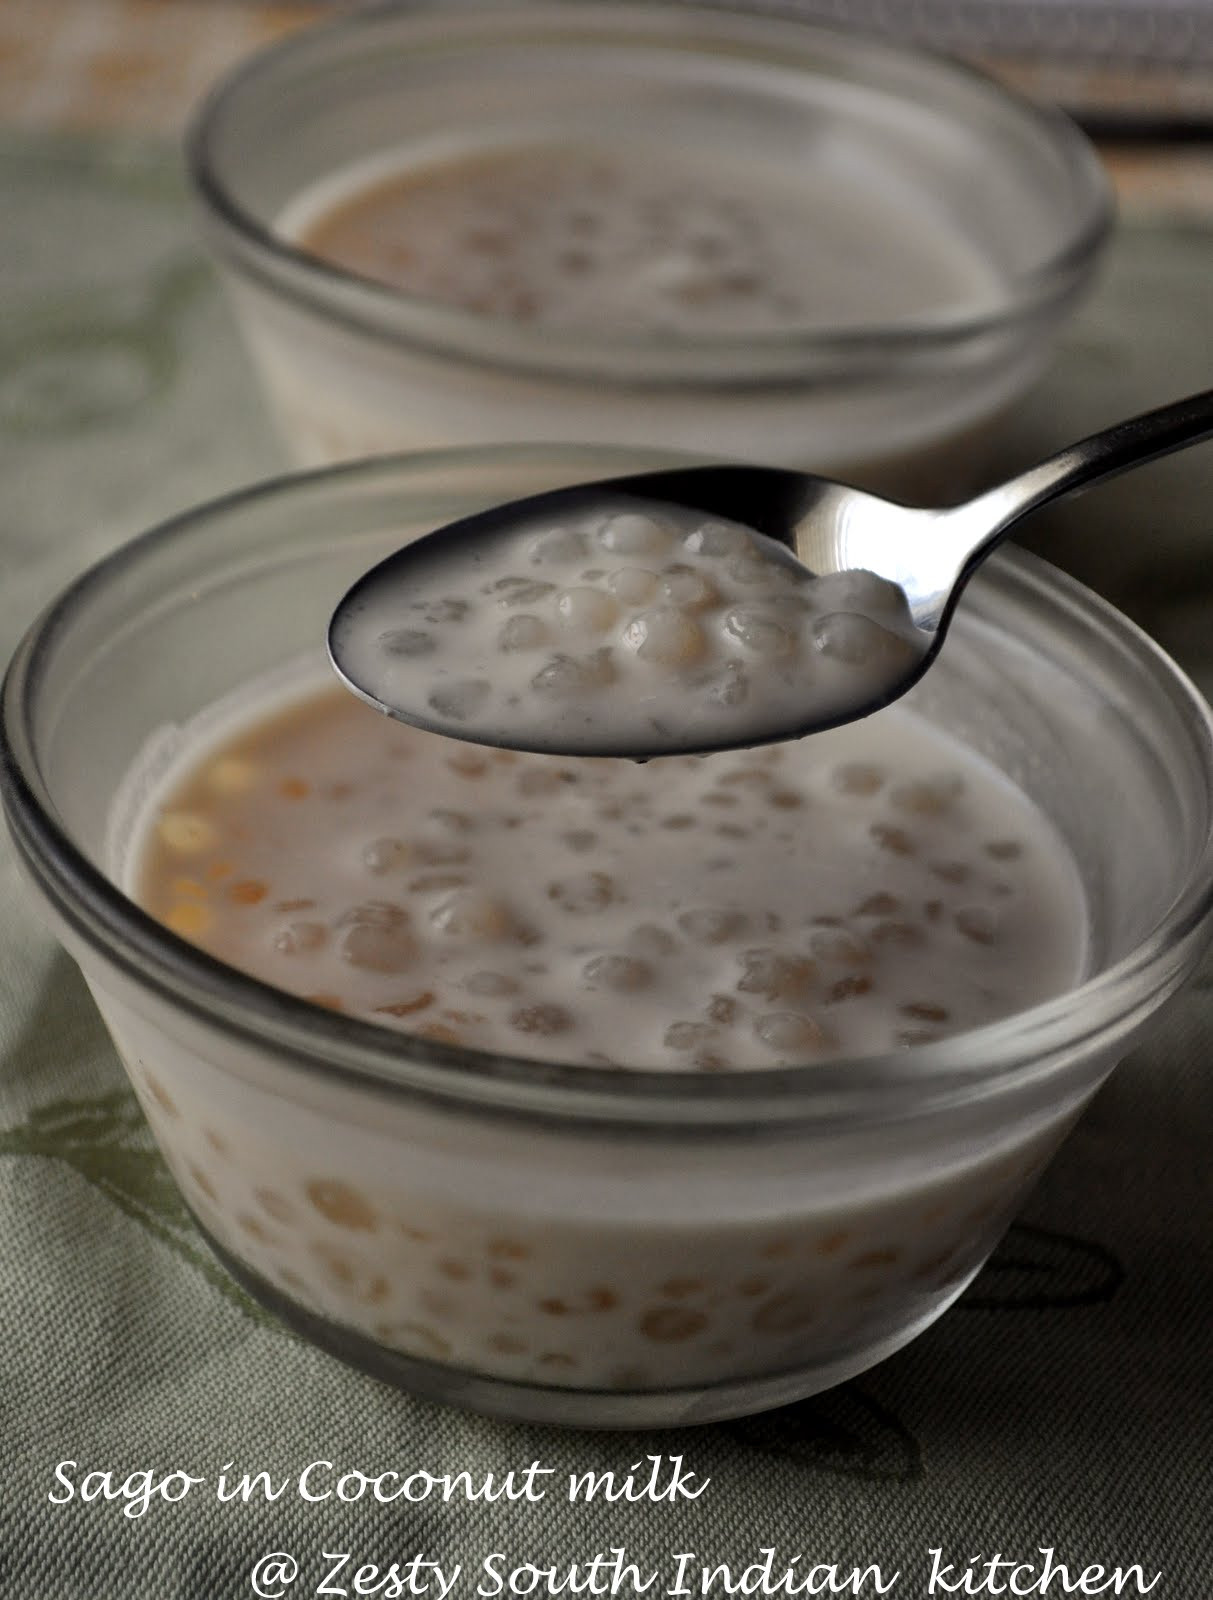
pixel 569 1408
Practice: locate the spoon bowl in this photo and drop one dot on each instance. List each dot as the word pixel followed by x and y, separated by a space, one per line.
pixel 872 584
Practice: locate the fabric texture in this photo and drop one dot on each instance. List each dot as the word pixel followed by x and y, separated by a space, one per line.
pixel 1124 31
pixel 1065 1402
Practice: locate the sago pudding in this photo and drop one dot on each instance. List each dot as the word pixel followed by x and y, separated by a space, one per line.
pixel 627 237
pixel 620 626
pixel 863 891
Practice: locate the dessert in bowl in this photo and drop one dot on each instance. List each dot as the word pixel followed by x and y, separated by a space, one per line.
pixel 643 224
pixel 598 1094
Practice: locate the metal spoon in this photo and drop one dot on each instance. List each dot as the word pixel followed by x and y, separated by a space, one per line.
pixel 829 528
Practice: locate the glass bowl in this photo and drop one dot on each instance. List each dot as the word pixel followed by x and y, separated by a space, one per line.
pixel 900 401
pixel 563 1243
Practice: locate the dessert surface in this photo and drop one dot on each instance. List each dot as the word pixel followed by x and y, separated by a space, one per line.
pixel 859 891
pixel 646 238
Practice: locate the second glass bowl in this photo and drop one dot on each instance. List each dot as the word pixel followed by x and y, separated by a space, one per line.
pixel 893 401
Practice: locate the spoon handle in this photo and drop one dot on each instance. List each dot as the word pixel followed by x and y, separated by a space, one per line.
pixel 1102 455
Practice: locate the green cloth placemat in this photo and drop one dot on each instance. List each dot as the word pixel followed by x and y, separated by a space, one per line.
pixel 1064 1403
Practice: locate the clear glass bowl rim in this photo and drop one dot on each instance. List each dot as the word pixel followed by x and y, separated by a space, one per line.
pixel 1027 1047
pixel 911 343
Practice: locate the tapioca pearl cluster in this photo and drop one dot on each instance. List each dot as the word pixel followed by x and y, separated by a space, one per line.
pixel 429 898
pixel 547 236
pixel 929 824
pixel 927 820
pixel 794 993
pixel 665 610
pixel 441 934
pixel 382 937
pixel 443 1286
pixel 391 939
pixel 713 606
